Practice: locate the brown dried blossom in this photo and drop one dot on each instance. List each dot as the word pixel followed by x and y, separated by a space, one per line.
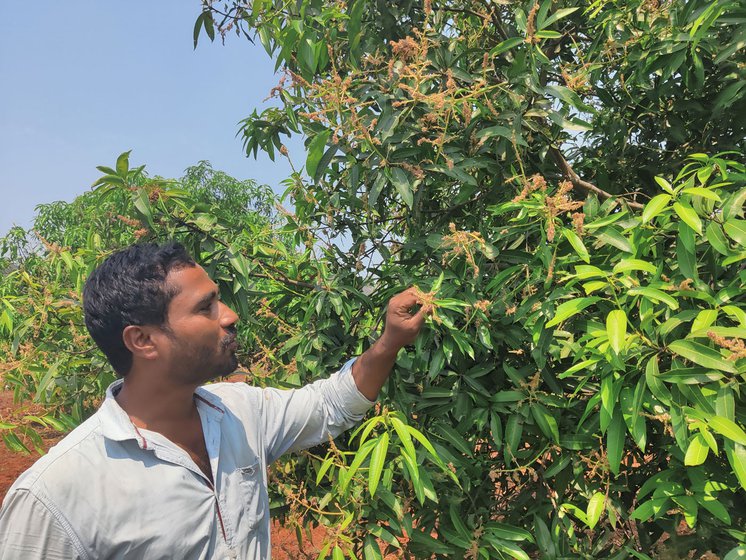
pixel 735 345
pixel 531 25
pixel 53 248
pixel 576 82
pixel 536 183
pixel 415 170
pixel 460 243
pixel 578 219
pixel 557 204
pixel 405 49
pixel 132 222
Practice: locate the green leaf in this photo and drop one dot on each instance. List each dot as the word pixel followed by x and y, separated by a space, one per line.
pixel 734 205
pixel 595 509
pixel 736 454
pixel 691 376
pixel 197 27
pixel 360 456
pixel 377 461
pixel 688 216
pixel 725 404
pixel 337 553
pixel 400 180
pixel 568 96
pixel 704 193
pixel 654 295
pixel 615 442
pixel 570 308
pixel 656 205
pixel 704 319
pixel 625 265
pixel 558 15
pixel 316 150
pixel 123 164
pixel 651 509
pixel 507 45
pixel 727 428
pixel 665 185
pixel 697 452
pixel 513 434
pixel 631 404
pixel 737 553
pixel 616 329
pixel 716 238
pixel 577 244
pixel 546 422
pixel 13 442
pixel 494 131
pixel 371 550
pixel 736 230
pixel 404 437
pixel 613 237
pixel 544 539
pixel 702 355
pixel 717 509
pixel 456 439
pixel 583 272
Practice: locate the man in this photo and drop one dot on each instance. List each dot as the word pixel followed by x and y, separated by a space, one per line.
pixel 167 468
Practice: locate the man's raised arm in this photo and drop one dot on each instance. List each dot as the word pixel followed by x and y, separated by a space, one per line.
pixel 371 370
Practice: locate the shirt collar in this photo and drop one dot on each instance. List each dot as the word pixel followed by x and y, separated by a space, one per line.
pixel 117 426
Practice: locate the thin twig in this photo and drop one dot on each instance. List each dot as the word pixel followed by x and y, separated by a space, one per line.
pixel 575 179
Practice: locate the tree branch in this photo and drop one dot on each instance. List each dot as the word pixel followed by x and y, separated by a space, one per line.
pixel 575 179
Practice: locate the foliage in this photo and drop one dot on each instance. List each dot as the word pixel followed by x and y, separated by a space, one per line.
pixel 582 377
pixel 48 356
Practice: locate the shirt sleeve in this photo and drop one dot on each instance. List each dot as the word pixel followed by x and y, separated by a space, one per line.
pixel 302 418
pixel 30 531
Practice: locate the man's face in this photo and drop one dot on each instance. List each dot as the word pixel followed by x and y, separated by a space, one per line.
pixel 201 329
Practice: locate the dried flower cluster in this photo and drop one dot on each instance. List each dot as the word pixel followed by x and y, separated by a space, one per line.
pixel 735 345
pixel 464 243
pixel 557 204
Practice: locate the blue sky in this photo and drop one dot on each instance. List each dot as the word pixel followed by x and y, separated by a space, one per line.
pixel 84 81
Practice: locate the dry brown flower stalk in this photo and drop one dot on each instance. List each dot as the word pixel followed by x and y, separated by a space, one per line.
pixel 735 345
pixel 531 24
pixel 132 222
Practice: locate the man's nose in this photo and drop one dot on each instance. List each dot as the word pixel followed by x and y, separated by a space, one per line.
pixel 228 317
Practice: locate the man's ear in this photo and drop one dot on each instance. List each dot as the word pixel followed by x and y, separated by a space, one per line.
pixel 140 341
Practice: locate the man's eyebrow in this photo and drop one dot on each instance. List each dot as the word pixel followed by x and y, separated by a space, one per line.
pixel 207 298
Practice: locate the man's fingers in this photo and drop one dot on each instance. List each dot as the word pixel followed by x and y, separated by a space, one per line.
pixel 406 299
pixel 424 311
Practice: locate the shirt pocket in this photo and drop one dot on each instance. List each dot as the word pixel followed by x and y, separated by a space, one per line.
pixel 251 486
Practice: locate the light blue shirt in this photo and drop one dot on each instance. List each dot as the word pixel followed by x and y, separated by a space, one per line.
pixel 109 490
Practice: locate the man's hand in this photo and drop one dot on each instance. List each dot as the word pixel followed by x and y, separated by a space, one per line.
pixel 402 326
pixel 371 370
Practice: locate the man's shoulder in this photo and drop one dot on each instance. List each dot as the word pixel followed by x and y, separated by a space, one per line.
pixel 66 456
pixel 230 392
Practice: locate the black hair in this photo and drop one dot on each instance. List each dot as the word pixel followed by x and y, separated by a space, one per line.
pixel 129 288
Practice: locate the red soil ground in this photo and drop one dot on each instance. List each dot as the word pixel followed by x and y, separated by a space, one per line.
pixel 284 542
